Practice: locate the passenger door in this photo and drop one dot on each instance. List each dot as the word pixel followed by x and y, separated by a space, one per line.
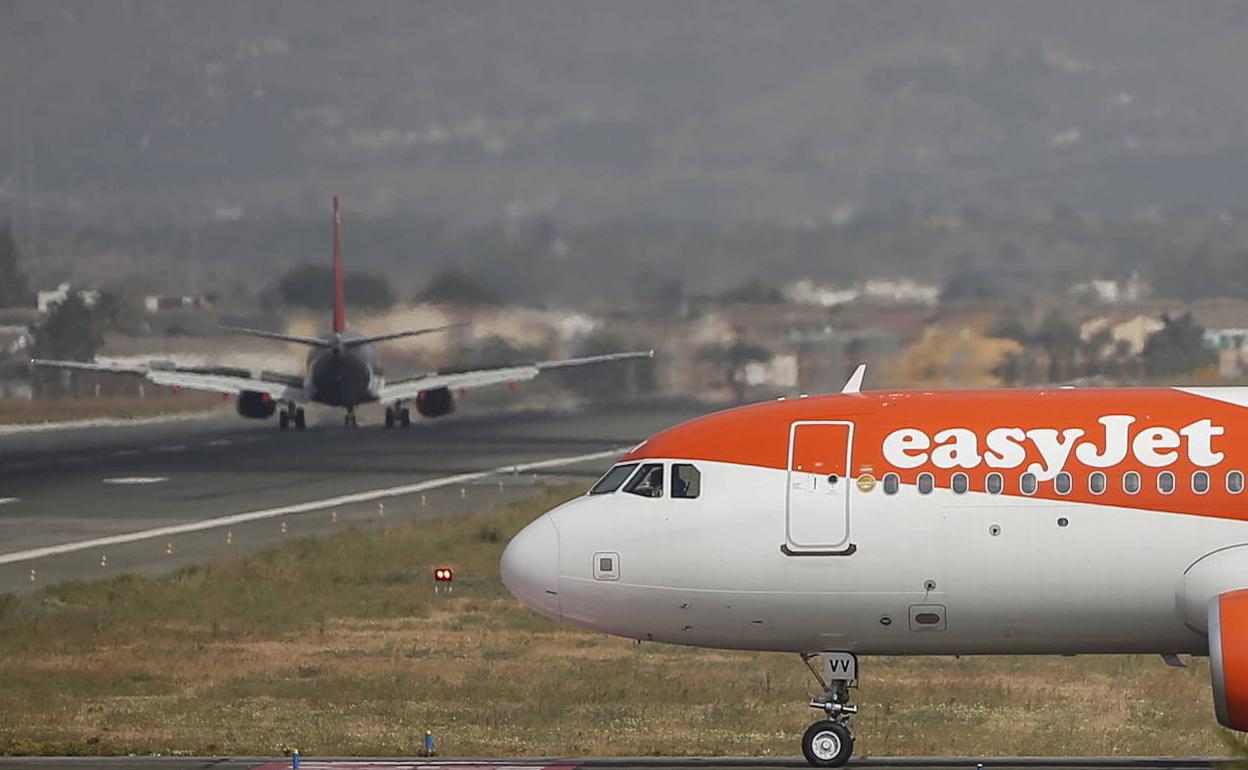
pixel 817 498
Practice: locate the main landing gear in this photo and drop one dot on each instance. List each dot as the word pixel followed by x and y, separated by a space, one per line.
pixel 398 415
pixel 291 415
pixel 349 420
pixel 829 742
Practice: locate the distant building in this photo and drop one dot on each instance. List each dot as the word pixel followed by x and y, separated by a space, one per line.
pixel 47 300
pixel 154 303
pixel 901 291
pixel 1133 332
pixel 779 371
pixel 14 339
pixel 1111 292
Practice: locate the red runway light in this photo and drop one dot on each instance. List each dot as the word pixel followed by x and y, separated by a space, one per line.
pixel 443 575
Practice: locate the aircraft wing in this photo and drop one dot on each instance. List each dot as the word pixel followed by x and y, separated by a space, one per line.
pixel 479 378
pixel 214 379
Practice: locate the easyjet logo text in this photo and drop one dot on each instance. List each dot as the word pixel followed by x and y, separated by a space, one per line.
pixel 1116 437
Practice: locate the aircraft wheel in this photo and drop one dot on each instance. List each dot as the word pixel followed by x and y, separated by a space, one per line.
pixel 283 419
pixel 300 421
pixel 389 417
pixel 405 417
pixel 827 744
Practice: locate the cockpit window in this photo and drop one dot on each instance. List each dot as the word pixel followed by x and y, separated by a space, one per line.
pixel 647 482
pixel 686 481
pixel 613 479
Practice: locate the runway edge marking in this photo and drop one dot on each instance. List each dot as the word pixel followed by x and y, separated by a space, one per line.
pixel 295 508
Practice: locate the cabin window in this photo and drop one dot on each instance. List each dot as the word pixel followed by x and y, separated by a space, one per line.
pixel 1131 482
pixel 647 482
pixel 926 483
pixel 686 481
pixel 1235 482
pixel 1027 483
pixel 892 483
pixel 1096 483
pixel 1165 482
pixel 1062 483
pixel 1200 482
pixel 613 479
pixel 960 483
pixel 995 483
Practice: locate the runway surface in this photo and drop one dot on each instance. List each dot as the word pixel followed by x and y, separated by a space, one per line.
pixel 69 486
pixel 613 763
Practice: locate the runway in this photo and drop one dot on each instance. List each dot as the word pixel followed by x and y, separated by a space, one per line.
pixel 67 486
pixel 611 763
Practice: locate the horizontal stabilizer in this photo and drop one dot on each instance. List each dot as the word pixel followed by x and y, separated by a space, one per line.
pixel 351 342
pixel 268 335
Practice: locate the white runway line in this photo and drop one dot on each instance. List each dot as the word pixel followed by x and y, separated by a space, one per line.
pixel 220 442
pixel 124 453
pixel 105 423
pixel 133 480
pixel 7 500
pixel 311 505
pixel 171 448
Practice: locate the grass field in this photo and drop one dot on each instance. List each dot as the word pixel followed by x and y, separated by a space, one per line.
pixel 17 412
pixel 339 646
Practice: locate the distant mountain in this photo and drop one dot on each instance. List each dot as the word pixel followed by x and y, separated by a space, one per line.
pixel 147 111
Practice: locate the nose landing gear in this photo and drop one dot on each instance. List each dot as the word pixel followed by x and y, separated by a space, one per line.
pixel 349 420
pixel 829 742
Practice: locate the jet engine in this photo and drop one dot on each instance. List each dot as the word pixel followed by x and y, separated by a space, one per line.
pixel 1228 658
pixel 435 403
pixel 255 405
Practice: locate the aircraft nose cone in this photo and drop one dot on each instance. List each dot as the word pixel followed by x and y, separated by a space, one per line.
pixel 530 567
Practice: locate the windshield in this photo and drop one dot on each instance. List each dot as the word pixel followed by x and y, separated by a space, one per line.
pixel 612 481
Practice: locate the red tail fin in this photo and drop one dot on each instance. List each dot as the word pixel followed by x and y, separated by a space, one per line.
pixel 340 300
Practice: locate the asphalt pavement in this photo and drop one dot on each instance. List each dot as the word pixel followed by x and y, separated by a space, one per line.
pixel 65 487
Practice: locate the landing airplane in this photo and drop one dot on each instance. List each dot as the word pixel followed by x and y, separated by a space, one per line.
pixel 1011 522
pixel 342 370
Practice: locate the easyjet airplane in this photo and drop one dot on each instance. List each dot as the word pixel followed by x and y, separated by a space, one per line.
pixel 1053 521
pixel 343 370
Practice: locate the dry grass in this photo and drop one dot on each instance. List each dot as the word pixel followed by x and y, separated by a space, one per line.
pixel 338 646
pixel 15 412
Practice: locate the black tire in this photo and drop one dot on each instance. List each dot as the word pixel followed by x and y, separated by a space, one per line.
pixel 405 417
pixel 827 744
pixel 301 422
pixel 389 417
pixel 283 419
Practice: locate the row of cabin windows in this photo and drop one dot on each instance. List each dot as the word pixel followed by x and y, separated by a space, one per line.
pixel 1063 483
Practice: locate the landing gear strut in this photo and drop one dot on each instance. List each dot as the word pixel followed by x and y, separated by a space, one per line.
pixel 398 414
pixel 829 742
pixel 349 421
pixel 291 415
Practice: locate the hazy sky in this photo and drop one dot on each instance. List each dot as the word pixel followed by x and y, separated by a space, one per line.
pixel 594 111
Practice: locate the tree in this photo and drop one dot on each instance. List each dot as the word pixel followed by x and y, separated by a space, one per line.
pixel 312 287
pixel 14 285
pixel 967 284
pixel 753 292
pixel 1178 347
pixel 71 332
pixel 456 287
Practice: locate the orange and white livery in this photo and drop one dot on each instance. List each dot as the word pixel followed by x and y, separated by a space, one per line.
pixel 1060 521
